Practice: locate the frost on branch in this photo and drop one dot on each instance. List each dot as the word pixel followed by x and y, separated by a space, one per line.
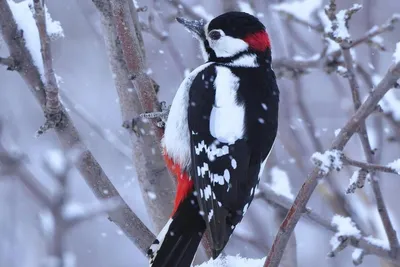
pixel 327 161
pixel 327 24
pixel 280 183
pixel 307 7
pixel 378 242
pixel 339 22
pixel 345 229
pixel 233 261
pixel 24 17
pixel 395 165
pixel 357 180
pixel 357 256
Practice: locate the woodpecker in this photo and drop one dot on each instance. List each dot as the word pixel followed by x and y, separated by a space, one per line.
pixel 220 130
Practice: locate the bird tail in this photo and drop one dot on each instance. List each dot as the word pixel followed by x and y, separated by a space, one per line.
pixel 177 242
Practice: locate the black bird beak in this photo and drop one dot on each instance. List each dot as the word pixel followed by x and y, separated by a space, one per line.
pixel 196 27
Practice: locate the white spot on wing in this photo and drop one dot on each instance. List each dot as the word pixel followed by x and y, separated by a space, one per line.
pixel 210 215
pixel 234 163
pixel 207 192
pixel 226 107
pixel 212 151
pixel 264 106
pixel 227 175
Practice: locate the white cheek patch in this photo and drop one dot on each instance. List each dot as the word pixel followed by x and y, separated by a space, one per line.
pixel 228 46
pixel 227 116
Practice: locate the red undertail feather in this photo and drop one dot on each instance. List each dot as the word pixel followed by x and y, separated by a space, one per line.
pixel 185 184
pixel 258 41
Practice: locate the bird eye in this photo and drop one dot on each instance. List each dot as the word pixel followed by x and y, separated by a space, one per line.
pixel 214 35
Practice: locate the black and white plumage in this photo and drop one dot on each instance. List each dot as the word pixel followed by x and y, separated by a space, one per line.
pixel 221 128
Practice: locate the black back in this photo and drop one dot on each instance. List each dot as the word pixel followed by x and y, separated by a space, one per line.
pixel 259 94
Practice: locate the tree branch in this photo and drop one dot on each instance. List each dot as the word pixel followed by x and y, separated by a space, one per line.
pixel 370 167
pixel 362 131
pixel 288 225
pixel 286 67
pixel 9 62
pixel 87 165
pixel 123 48
pixel 273 198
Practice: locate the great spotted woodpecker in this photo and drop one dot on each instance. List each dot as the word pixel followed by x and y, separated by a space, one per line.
pixel 220 130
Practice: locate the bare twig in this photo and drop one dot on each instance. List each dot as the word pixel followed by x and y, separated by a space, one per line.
pixel 291 17
pixel 368 166
pixel 150 167
pixel 108 136
pixel 9 62
pixel 164 37
pixel 11 165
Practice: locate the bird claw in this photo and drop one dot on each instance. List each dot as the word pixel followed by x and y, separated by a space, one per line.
pixel 161 115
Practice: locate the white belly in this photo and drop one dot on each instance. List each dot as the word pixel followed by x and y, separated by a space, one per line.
pixel 176 141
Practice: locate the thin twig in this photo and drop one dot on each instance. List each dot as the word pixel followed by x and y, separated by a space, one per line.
pixel 9 62
pixel 55 118
pixel 291 17
pixel 368 166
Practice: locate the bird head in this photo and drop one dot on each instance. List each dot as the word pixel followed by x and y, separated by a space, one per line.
pixel 229 35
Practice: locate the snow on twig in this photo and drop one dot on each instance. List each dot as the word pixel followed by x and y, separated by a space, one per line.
pixel 328 160
pixel 23 15
pixel 346 229
pixel 395 165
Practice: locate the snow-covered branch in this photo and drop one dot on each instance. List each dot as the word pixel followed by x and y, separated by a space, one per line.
pixel 21 35
pixel 341 238
pixel 342 37
pixel 370 167
pixel 291 67
pixel 350 128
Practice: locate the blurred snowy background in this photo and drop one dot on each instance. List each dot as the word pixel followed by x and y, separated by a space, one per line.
pixel 87 88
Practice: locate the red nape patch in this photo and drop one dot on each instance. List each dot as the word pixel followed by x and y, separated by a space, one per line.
pixel 185 184
pixel 258 41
